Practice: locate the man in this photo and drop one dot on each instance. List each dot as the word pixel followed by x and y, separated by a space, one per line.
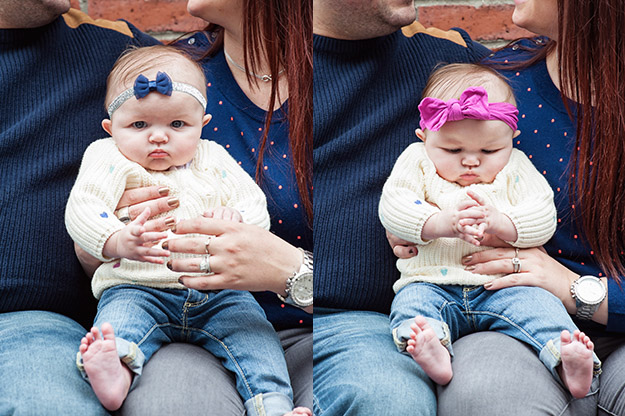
pixel 368 77
pixel 53 65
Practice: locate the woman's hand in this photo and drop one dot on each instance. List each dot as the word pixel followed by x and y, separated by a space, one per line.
pixel 537 269
pixel 242 256
pixel 134 201
pixel 403 249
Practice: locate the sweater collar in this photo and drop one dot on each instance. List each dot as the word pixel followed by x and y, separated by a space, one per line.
pixel 353 47
pixel 25 36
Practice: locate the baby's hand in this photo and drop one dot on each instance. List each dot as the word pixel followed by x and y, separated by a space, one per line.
pixel 483 218
pixel 134 242
pixel 224 213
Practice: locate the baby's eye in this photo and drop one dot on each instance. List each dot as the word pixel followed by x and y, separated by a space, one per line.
pixel 177 124
pixel 489 151
pixel 139 124
pixel 453 150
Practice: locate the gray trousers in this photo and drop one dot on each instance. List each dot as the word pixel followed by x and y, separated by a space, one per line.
pixel 498 375
pixel 187 380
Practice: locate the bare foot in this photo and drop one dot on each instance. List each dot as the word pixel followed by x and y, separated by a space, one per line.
pixel 109 378
pixel 299 411
pixel 577 363
pixel 427 350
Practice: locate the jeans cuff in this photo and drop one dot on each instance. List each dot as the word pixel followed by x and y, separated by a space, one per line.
pixel 551 357
pixel 128 352
pixel 401 333
pixel 268 404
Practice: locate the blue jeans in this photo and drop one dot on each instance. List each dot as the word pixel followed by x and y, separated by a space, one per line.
pixel 529 314
pixel 37 368
pixel 356 370
pixel 230 324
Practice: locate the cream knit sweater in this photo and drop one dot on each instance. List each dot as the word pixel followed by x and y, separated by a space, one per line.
pixel 212 179
pixel 414 192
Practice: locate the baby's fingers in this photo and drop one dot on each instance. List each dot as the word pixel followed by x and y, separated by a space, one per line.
pixel 153 237
pixel 475 197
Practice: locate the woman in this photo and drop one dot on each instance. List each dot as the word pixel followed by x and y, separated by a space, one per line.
pixel 579 65
pixel 246 39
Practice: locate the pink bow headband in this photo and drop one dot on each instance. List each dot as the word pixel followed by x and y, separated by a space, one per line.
pixel 473 103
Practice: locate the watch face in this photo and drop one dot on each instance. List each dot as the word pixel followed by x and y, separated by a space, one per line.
pixel 302 289
pixel 590 291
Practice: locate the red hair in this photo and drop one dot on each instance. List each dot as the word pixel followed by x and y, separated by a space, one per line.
pixel 591 54
pixel 280 32
pixel 592 73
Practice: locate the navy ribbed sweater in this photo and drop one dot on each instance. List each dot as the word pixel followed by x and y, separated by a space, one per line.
pixel 51 105
pixel 365 112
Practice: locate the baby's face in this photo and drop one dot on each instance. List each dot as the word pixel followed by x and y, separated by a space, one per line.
pixel 469 151
pixel 159 131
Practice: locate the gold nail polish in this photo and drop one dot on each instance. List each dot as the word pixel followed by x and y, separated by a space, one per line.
pixel 170 221
pixel 173 202
pixel 469 268
pixel 165 245
pixel 467 259
pixel 163 191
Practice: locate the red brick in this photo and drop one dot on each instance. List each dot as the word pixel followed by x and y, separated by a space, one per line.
pixel 482 23
pixel 148 15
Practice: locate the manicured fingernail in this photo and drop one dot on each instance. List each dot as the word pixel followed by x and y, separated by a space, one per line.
pixel 469 268
pixel 170 221
pixel 166 247
pixel 173 202
pixel 180 281
pixel 164 191
pixel 467 259
pixel 169 266
pixel 411 251
pixel 488 285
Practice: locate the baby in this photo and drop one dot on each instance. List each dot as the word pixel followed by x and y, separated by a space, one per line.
pixel 156 100
pixel 465 182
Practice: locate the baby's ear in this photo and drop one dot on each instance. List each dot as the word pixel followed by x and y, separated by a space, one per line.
pixel 106 125
pixel 206 119
pixel 420 134
pixel 516 133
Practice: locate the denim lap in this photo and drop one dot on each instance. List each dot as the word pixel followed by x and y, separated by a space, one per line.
pixel 37 358
pixel 356 370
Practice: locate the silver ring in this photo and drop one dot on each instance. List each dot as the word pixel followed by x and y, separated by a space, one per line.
pixel 205 265
pixel 516 262
pixel 123 215
pixel 208 243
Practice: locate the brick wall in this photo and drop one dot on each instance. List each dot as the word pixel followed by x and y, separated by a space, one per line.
pixel 488 21
pixel 165 19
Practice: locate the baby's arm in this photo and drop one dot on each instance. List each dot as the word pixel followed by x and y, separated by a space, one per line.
pixel 135 242
pixel 242 198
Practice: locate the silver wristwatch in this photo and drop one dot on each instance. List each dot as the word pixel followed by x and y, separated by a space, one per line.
pixel 299 286
pixel 588 292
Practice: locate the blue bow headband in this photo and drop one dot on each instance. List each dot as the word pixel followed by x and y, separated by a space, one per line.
pixel 162 84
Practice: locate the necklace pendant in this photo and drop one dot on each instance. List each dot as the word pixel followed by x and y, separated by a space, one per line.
pixel 266 78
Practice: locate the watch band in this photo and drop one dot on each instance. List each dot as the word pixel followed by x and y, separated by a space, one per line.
pixel 584 311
